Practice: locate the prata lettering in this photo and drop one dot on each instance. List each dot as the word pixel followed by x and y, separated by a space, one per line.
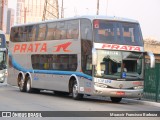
pixel 33 47
pixel 121 47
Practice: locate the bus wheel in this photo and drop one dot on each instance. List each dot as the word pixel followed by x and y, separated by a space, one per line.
pixel 116 99
pixel 28 85
pixel 21 84
pixel 75 93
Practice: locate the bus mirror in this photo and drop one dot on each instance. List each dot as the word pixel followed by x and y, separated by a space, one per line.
pixel 94 56
pixel 86 31
pixel 152 59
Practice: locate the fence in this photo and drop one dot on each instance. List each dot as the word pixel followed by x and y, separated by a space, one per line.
pixel 152 83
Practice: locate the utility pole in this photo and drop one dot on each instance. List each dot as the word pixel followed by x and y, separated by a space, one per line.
pixel 25 13
pixel 2 13
pixel 97 7
pixel 62 11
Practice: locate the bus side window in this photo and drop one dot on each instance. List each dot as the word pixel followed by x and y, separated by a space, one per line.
pixel 58 34
pixel 61 30
pixel 73 29
pixel 16 34
pixel 63 34
pixel 86 42
pixel 66 62
pixel 51 31
pixel 34 31
pixel 12 34
pixel 23 34
pixel 42 32
pixel 31 33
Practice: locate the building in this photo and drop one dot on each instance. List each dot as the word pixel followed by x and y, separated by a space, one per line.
pixel 10 19
pixel 3 14
pixel 51 10
pixel 30 10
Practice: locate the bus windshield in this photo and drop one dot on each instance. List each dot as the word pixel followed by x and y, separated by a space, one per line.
pixel 119 65
pixel 115 32
pixel 2 60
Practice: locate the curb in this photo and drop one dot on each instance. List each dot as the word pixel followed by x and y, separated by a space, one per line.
pixel 144 102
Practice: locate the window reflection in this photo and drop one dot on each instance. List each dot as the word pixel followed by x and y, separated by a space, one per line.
pixel 117 33
pixel 55 62
pixel 113 64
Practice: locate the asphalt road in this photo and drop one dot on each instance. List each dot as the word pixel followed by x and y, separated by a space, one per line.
pixel 11 99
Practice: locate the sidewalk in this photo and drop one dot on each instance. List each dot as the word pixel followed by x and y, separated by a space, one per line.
pixel 127 100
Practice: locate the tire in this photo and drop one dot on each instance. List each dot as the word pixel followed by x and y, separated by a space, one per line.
pixel 116 99
pixel 21 84
pixel 28 85
pixel 29 89
pixel 75 94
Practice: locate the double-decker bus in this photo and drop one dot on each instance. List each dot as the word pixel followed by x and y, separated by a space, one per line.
pixel 3 57
pixel 89 55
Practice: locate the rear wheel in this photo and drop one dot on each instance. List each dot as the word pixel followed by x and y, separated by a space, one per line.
pixel 29 89
pixel 28 85
pixel 116 99
pixel 75 93
pixel 21 84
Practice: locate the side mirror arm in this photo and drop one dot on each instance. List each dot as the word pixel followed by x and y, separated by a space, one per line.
pixel 152 59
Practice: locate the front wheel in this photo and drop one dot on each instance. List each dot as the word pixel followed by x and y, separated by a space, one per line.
pixel 116 99
pixel 75 93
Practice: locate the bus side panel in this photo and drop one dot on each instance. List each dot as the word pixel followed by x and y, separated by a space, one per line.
pixel 85 86
pixel 12 76
pixel 50 82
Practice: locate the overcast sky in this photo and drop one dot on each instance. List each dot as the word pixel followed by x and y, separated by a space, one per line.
pixel 147 12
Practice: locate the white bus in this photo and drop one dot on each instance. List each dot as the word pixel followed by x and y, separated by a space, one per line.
pixel 3 57
pixel 79 55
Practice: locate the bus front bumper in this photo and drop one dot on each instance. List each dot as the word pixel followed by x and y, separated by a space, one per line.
pixel 118 92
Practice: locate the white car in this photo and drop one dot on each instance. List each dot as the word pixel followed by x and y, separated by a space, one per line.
pixel 3 75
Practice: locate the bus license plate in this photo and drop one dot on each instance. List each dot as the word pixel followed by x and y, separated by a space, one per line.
pixel 120 93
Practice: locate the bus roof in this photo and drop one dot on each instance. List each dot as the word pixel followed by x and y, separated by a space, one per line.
pixel 87 17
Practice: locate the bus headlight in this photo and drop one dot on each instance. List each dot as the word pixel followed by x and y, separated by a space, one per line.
pixel 138 87
pixel 6 73
pixel 1 75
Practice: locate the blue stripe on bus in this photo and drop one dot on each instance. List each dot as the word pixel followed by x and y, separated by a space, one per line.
pixel 56 72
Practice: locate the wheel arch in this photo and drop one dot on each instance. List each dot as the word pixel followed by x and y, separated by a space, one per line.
pixel 71 81
pixel 28 74
pixel 20 75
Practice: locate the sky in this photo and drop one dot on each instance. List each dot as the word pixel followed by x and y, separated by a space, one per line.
pixel 147 12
